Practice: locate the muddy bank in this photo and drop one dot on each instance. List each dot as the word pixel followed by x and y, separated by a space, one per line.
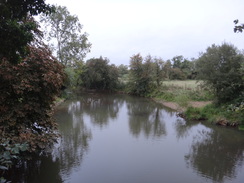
pixel 176 107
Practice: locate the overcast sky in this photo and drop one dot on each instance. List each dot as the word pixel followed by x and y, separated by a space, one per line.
pixel 118 29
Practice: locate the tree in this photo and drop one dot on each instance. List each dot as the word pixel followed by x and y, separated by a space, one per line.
pixel 30 78
pixel 159 72
pixel 123 70
pixel 99 75
pixel 167 69
pixel 135 72
pixel 28 91
pixel 176 73
pixel 71 45
pixel 18 28
pixel 219 67
pixel 140 75
pixel 177 61
pixel 187 67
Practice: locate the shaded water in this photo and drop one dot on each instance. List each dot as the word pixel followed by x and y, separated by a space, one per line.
pixel 124 139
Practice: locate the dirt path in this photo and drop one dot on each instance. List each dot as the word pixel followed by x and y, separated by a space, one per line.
pixel 175 106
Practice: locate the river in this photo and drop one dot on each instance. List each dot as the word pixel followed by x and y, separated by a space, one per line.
pixel 107 138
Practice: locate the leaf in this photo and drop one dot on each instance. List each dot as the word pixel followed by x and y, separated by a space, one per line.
pixel 236 21
pixel 15 150
pixel 7 155
pixel 3 167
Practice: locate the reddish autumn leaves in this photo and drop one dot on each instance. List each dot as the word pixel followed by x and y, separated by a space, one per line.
pixel 27 92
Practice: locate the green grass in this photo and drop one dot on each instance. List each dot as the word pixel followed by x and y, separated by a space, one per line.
pixel 241 127
pixel 184 84
pixel 181 91
pixel 213 113
pixel 209 112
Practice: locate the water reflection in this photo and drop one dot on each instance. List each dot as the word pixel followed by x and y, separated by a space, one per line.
pixel 125 147
pixel 183 128
pixel 75 136
pixel 214 153
pixel 145 117
pixel 101 108
pixel 35 171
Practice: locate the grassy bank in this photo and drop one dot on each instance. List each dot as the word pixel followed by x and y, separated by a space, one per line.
pixel 225 115
pixel 183 94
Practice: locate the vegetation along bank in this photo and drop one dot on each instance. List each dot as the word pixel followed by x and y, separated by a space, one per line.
pixel 32 77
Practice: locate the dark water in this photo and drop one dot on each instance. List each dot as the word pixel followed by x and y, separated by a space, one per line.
pixel 124 139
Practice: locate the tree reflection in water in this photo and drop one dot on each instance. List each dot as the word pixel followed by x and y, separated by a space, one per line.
pixel 214 153
pixel 146 118
pixel 74 131
pixel 74 139
pixel 216 162
pixel 101 108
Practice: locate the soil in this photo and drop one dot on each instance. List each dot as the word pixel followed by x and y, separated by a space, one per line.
pixel 175 106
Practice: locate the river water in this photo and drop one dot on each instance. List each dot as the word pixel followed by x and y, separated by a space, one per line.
pixel 107 138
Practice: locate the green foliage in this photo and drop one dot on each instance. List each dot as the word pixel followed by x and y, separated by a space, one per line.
pixel 18 28
pixel 182 68
pixel 28 91
pixel 99 75
pixel 213 113
pixel 241 127
pixel 167 70
pixel 141 76
pixel 209 112
pixel 158 70
pixel 123 71
pixel 178 91
pixel 147 74
pixel 236 112
pixel 182 100
pixel 71 44
pixel 176 73
pixel 9 152
pixel 73 79
pixel 219 67
pixel 194 114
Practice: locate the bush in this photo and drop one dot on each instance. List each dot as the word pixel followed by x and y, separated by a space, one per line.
pixel 219 67
pixel 231 113
pixel 100 75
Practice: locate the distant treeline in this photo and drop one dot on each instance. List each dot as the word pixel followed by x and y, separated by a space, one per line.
pixel 220 67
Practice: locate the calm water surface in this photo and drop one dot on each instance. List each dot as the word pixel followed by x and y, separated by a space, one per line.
pixel 124 139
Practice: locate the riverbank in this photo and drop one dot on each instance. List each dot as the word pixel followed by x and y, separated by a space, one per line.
pixel 175 106
pixel 193 102
pixel 201 110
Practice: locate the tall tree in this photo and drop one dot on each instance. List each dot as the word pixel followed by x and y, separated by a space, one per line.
pixel 220 68
pixel 30 76
pixel 159 72
pixel 71 45
pixel 177 61
pixel 18 28
pixel 136 69
pixel 123 70
pixel 141 75
pixel 167 69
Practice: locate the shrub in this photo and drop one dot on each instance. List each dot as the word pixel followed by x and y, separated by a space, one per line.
pixel 28 91
pixel 219 67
